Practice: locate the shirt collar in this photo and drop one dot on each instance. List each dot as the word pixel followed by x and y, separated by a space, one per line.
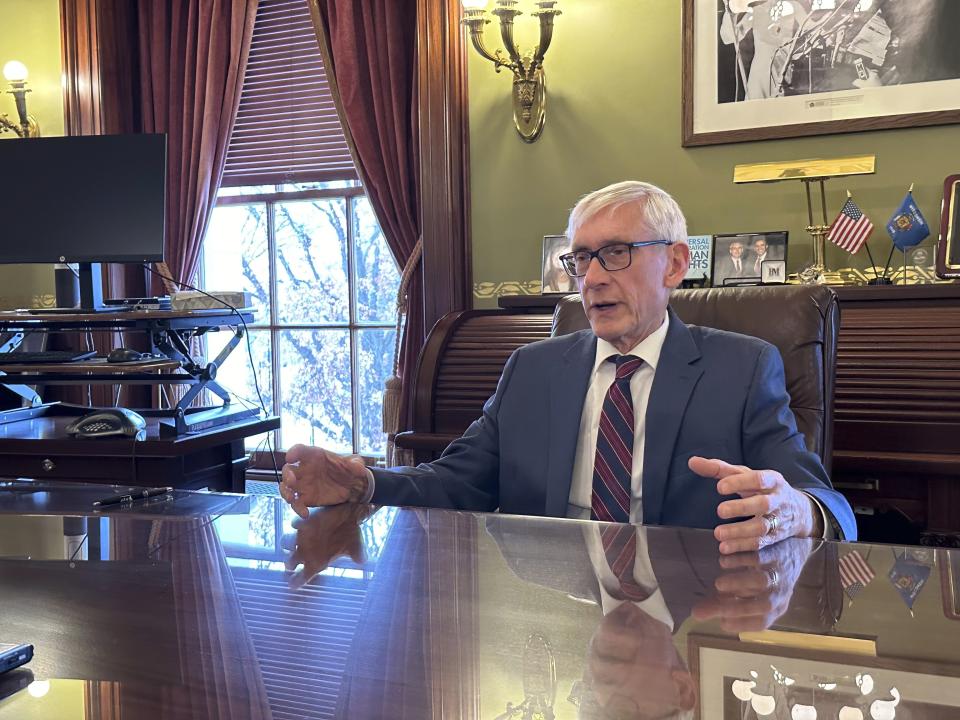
pixel 647 349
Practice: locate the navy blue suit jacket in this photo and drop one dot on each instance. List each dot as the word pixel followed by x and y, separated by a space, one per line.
pixel 715 394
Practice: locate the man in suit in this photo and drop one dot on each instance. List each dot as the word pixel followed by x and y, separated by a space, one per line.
pixel 712 439
pixel 762 251
pixel 732 266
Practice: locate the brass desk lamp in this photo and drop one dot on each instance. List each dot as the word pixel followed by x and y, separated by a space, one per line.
pixel 809 172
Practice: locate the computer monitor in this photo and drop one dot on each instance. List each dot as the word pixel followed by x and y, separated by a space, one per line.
pixel 85 199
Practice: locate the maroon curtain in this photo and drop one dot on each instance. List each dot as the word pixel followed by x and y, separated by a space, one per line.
pixel 370 55
pixel 177 68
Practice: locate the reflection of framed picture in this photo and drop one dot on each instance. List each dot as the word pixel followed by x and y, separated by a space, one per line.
pixel 948 247
pixel 553 276
pixel 722 667
pixel 738 258
pixel 759 69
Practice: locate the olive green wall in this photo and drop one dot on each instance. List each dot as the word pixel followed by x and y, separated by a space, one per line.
pixel 613 113
pixel 30 33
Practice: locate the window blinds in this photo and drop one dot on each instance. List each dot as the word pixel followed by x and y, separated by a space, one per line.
pixel 287 129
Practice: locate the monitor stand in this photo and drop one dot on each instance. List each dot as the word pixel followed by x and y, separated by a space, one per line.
pixel 91 293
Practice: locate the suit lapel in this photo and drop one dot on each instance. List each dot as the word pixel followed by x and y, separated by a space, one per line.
pixel 676 376
pixel 568 390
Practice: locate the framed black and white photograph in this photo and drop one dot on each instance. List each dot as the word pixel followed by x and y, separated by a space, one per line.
pixel 759 69
pixel 738 258
pixel 554 278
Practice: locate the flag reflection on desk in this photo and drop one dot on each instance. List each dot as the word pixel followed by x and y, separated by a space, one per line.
pixel 909 574
pixel 855 573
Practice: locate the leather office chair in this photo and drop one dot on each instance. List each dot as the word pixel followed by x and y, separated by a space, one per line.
pixel 802 321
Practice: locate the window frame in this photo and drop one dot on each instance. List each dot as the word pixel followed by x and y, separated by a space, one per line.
pixel 261 459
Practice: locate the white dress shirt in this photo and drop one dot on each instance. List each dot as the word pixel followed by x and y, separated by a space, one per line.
pixel 655 606
pixel 604 373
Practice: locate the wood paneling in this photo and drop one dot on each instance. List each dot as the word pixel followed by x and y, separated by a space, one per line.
pixel 459 369
pixel 444 160
pixel 80 57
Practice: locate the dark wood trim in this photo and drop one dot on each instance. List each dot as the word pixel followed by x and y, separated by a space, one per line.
pixel 80 60
pixel 686 72
pixel 828 127
pixel 444 160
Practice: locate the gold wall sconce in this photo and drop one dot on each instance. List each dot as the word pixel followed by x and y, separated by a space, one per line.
pixel 529 89
pixel 16 74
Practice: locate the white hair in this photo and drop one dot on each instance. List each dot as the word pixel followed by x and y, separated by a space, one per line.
pixel 661 215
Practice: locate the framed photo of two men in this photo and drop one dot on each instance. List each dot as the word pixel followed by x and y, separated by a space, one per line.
pixel 747 258
pixel 759 69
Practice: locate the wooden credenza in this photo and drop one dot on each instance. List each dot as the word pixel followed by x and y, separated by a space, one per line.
pixel 896 442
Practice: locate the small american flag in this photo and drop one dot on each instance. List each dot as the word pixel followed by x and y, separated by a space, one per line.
pixel 855 573
pixel 851 228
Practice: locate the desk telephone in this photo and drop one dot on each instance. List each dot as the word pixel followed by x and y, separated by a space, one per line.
pixel 109 422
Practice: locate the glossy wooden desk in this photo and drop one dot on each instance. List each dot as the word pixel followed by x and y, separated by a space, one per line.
pixel 163 612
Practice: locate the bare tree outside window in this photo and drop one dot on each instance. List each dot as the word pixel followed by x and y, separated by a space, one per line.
pixel 324 284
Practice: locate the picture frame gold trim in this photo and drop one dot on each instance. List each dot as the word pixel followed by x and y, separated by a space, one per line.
pixel 789 128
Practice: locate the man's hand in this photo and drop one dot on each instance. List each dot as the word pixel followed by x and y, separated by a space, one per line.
pixel 324 536
pixel 633 667
pixel 778 510
pixel 313 476
pixel 755 588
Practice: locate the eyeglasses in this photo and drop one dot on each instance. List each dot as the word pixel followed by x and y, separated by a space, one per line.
pixel 616 256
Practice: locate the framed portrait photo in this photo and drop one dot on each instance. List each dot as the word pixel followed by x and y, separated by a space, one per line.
pixel 554 278
pixel 948 246
pixel 739 258
pixel 761 69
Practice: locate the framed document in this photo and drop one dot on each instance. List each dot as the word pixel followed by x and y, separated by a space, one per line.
pixel 948 247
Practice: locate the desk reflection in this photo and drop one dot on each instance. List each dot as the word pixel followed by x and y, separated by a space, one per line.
pixel 365 612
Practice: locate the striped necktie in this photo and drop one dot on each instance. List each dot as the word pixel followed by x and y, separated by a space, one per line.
pixel 620 548
pixel 613 464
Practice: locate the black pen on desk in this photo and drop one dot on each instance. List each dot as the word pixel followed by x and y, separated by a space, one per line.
pixel 130 497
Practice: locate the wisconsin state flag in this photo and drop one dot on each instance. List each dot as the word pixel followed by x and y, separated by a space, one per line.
pixel 907 227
